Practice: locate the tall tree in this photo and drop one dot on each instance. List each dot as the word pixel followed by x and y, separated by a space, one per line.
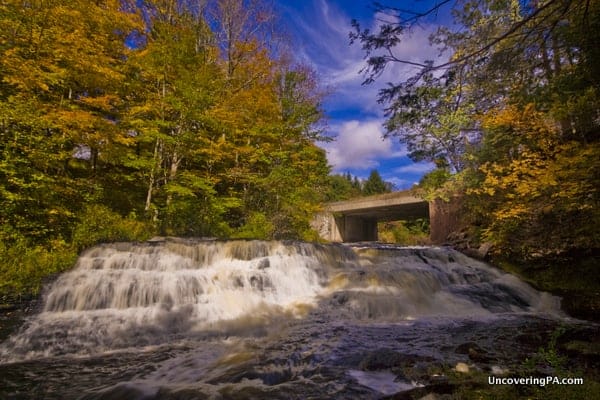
pixel 499 50
pixel 224 128
pixel 432 116
pixel 240 23
pixel 60 70
pixel 177 82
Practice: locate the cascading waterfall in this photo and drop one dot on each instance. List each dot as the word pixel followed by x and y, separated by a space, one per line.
pixel 131 295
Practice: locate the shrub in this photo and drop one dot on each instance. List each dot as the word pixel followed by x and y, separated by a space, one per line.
pixel 257 226
pixel 99 224
pixel 23 266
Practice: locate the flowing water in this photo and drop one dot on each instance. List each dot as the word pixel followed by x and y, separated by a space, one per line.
pixel 193 319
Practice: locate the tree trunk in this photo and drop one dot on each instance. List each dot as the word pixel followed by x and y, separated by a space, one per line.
pixel 152 178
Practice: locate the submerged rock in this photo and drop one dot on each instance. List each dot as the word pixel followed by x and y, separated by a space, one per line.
pixel 381 359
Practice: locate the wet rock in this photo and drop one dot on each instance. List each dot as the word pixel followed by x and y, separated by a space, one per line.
pixel 420 369
pixel 380 359
pixel 123 391
pixel 442 391
pixel 238 282
pixel 465 348
pixel 182 394
pixel 275 377
pixel 433 396
pixel 259 282
pixel 264 263
pixel 484 250
pixel 474 352
pixel 341 298
pixel 424 371
pixel 462 367
pixel 496 370
pixel 438 379
pixel 530 340
pixel 477 356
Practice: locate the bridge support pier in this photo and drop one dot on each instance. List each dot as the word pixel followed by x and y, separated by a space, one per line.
pixel 345 228
pixel 444 218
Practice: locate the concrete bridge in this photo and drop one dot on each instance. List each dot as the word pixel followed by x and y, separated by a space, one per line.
pixel 356 220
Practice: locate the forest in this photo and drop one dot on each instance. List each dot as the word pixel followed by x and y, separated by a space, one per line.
pixel 120 120
pixel 123 119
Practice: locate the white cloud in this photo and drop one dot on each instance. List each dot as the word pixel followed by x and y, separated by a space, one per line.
pixel 359 145
pixel 419 168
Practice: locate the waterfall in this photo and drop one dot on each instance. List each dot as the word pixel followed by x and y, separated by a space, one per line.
pixel 133 295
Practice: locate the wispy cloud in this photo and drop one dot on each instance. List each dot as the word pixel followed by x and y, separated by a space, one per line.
pixel 419 168
pixel 322 30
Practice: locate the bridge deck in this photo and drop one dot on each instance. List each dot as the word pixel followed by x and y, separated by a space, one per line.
pixel 388 206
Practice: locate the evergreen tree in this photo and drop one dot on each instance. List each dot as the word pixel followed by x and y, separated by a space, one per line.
pixel 375 184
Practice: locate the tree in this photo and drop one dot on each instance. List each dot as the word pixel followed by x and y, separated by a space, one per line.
pixel 176 84
pixel 341 187
pixel 285 171
pixel 224 129
pixel 540 193
pixel 375 184
pixel 515 102
pixel 240 23
pixel 501 50
pixel 60 71
pixel 432 117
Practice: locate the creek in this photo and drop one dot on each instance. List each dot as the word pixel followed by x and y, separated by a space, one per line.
pixel 204 319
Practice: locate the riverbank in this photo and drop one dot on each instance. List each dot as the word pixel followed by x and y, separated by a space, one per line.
pixel 574 277
pixel 14 311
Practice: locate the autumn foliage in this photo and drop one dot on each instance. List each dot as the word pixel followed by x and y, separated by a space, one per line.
pixel 540 190
pixel 125 119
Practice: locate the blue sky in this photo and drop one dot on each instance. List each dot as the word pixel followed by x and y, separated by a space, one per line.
pixel 319 29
